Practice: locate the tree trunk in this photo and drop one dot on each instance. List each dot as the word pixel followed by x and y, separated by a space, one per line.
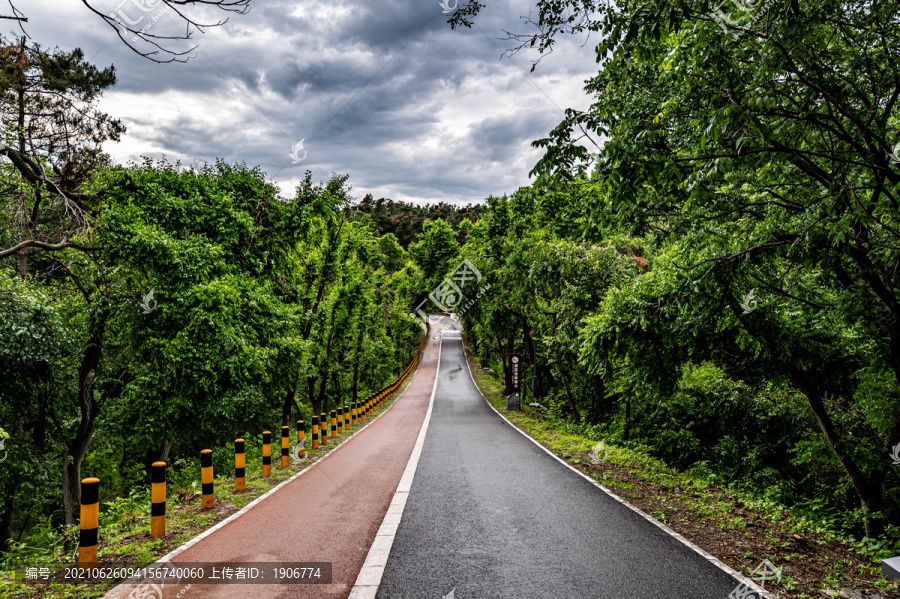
pixel 71 485
pixel 538 390
pixel 124 459
pixel 894 347
pixel 524 387
pixel 504 359
pixel 164 449
pixel 323 378
pixel 570 405
pixel 74 451
pixel 20 92
pixel 311 391
pixel 354 385
pixel 22 263
pixel 6 517
pixel 627 418
pixel 333 241
pixel 288 404
pixel 868 490
pixel 21 255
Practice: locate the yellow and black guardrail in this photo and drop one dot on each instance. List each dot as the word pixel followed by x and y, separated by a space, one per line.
pixel 342 417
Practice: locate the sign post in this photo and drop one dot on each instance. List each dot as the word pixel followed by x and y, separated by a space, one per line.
pixel 513 382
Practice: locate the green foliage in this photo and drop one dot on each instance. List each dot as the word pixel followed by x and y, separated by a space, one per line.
pixel 747 154
pixel 405 221
pixel 263 310
pixel 435 251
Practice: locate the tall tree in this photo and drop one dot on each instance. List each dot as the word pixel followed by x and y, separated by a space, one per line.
pixel 52 137
pixel 761 142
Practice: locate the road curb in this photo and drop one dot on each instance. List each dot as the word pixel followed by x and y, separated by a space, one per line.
pixel 124 586
pixel 369 578
pixel 761 592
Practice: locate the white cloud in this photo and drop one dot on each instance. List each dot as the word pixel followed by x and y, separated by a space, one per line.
pixel 444 120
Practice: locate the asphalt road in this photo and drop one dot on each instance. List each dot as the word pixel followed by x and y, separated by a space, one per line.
pixel 492 515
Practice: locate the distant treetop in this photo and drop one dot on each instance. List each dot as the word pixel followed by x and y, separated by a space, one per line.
pixel 405 220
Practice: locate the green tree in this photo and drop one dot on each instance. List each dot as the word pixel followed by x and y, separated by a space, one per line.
pixel 52 133
pixel 435 251
pixel 765 160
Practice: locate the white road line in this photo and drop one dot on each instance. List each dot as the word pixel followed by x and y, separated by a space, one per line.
pixel 710 558
pixel 369 578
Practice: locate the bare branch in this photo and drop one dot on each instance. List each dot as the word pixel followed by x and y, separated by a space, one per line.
pixel 17 14
pixel 133 30
pixel 44 246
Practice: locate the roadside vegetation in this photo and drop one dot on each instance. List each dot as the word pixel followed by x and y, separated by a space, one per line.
pixel 707 265
pixel 149 311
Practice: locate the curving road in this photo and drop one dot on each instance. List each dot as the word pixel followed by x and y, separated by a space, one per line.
pixel 490 515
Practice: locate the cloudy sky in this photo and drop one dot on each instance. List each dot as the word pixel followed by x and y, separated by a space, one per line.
pixel 382 91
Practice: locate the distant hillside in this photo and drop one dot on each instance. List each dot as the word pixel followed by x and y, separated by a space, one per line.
pixel 405 220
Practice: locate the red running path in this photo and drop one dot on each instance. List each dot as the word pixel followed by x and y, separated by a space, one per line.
pixel 329 514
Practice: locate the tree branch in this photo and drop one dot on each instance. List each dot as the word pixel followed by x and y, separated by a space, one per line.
pixel 44 246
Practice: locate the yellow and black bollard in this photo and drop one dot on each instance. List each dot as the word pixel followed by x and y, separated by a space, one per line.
pixel 353 413
pixel 267 453
pixel 340 412
pixel 323 419
pixel 315 432
pixel 206 478
pixel 347 416
pixel 158 500
pixel 240 466
pixel 89 522
pixel 333 424
pixel 285 446
pixel 301 439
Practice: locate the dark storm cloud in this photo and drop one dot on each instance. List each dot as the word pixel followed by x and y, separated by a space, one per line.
pixel 382 91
